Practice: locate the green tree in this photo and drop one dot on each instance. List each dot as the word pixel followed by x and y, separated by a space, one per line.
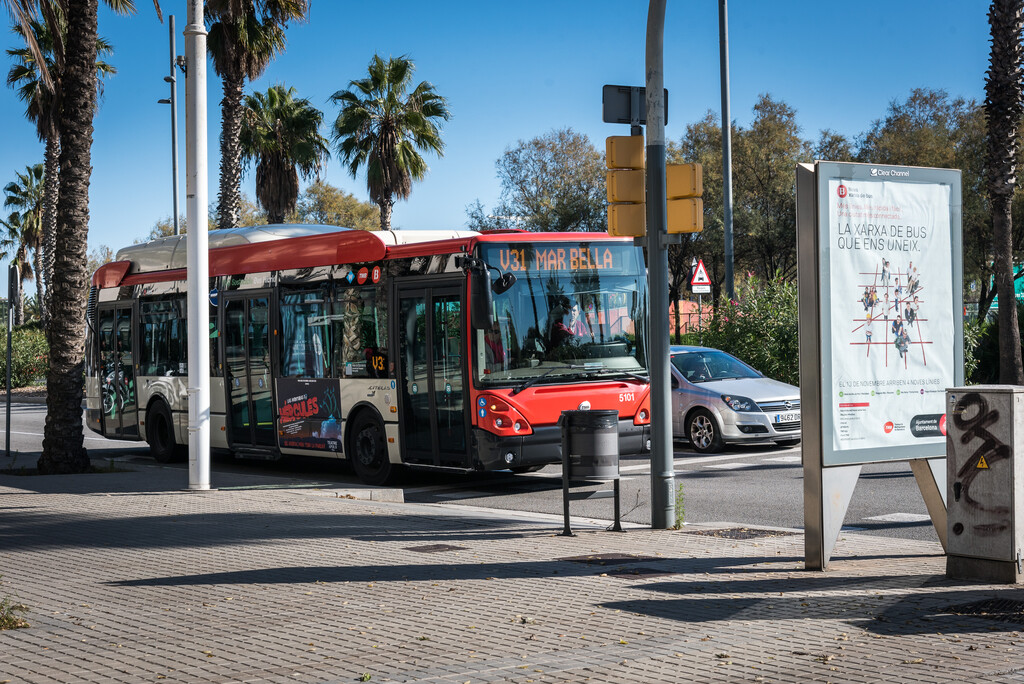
pixel 244 36
pixel 833 146
pixel 930 128
pixel 280 133
pixel 25 226
pixel 760 328
pixel 764 206
pixel 322 203
pixel 554 182
pixel 381 126
pixel 26 76
pixel 99 256
pixel 1003 109
pixel 14 246
pixel 702 143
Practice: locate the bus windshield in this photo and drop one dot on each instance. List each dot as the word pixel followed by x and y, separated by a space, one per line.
pixel 576 311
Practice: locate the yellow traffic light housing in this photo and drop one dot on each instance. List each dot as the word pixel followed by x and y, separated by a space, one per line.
pixel 684 185
pixel 624 157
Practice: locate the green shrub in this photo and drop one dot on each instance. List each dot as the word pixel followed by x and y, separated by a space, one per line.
pixel 760 328
pixel 29 357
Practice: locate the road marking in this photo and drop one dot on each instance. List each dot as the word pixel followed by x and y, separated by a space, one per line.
pixel 729 466
pixel 786 459
pixel 464 495
pixel 39 434
pixel 678 461
pixel 901 518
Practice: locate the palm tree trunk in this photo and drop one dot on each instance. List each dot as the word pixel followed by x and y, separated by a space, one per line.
pixel 1002 113
pixel 230 201
pixel 19 301
pixel 51 184
pixel 37 266
pixel 385 213
pixel 1010 365
pixel 63 440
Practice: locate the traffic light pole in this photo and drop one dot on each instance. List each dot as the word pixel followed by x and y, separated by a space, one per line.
pixel 662 466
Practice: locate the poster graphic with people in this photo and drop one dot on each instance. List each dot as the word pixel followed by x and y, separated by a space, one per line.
pixel 891 311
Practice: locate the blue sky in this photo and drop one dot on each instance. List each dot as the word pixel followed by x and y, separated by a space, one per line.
pixel 513 71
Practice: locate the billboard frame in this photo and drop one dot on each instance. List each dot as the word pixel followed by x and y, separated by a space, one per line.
pixel 830 475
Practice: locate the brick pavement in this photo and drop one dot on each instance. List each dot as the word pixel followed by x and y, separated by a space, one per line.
pixel 131 580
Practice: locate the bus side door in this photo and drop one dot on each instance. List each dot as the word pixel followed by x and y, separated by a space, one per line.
pixel 432 418
pixel 247 368
pixel 116 368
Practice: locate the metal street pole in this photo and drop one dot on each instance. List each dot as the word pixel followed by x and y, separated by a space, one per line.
pixel 723 42
pixel 173 101
pixel 198 257
pixel 662 468
pixel 13 287
pixel 173 80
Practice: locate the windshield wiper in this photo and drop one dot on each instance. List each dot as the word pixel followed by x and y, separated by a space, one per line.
pixel 636 376
pixel 534 380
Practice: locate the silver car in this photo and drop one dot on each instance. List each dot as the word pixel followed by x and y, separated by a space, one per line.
pixel 717 399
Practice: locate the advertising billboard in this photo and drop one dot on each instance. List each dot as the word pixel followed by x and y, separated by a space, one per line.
pixel 890 277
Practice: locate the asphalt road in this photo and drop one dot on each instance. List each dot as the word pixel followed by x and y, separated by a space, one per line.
pixel 751 485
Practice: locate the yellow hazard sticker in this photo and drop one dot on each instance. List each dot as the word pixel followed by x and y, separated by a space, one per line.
pixel 982 463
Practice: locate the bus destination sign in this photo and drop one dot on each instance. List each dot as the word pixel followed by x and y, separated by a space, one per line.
pixel 559 257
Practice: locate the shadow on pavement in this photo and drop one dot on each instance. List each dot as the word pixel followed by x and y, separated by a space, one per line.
pixel 945 612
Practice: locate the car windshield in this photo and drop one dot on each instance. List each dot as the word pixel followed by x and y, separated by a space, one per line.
pixel 575 312
pixel 705 366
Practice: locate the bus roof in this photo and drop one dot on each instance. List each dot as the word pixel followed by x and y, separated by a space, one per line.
pixel 256 249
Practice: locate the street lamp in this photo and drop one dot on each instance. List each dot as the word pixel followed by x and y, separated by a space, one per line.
pixel 173 101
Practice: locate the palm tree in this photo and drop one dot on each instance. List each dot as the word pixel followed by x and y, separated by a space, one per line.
pixel 23 12
pixel 25 226
pixel 281 134
pixel 26 76
pixel 381 125
pixel 244 36
pixel 63 440
pixel 1003 110
pixel 14 246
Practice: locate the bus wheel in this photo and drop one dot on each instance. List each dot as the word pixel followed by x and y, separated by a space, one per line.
pixel 369 454
pixel 160 433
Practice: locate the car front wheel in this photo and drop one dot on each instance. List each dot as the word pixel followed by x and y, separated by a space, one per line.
pixel 703 432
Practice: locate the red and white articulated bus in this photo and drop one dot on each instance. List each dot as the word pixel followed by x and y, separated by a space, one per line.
pixel 449 349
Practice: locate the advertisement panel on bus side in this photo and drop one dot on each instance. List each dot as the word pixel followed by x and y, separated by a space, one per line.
pixel 310 413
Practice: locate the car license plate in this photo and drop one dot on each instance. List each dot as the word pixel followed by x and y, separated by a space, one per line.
pixel 791 417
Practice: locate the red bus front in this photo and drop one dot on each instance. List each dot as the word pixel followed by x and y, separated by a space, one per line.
pixel 561 328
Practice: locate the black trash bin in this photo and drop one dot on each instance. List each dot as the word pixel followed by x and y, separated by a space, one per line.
pixel 591 441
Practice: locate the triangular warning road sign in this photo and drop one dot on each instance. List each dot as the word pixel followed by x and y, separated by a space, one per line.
pixel 982 463
pixel 700 275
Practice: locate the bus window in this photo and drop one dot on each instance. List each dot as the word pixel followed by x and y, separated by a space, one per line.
pixel 360 326
pixel 164 338
pixel 304 334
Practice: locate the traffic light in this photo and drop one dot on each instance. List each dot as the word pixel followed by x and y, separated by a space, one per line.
pixel 684 184
pixel 624 156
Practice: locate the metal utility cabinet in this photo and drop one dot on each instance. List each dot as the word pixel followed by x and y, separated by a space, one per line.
pixel 984 426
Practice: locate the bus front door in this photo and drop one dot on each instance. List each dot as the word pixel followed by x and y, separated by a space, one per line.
pixel 120 413
pixel 431 377
pixel 247 366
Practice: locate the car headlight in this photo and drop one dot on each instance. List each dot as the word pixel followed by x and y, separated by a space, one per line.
pixel 739 403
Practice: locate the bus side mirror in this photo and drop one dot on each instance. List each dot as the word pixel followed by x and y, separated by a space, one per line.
pixel 480 300
pixel 504 283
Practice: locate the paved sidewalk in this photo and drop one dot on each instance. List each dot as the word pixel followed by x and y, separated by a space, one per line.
pixel 130 579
